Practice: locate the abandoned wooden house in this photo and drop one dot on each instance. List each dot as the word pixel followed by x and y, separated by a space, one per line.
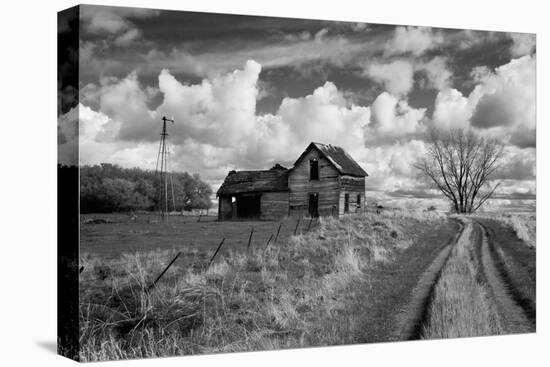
pixel 324 181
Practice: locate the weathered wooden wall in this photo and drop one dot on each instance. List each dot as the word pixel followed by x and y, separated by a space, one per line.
pixel 225 208
pixel 353 186
pixel 300 186
pixel 274 205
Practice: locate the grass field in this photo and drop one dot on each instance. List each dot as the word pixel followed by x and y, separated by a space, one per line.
pixel 524 226
pixel 122 235
pixel 341 282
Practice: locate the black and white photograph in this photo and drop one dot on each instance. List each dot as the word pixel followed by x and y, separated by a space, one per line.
pixel 238 183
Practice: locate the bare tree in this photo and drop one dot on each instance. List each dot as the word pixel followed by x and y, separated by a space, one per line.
pixel 461 164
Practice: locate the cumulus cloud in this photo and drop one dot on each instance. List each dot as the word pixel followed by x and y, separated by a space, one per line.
pixel 396 76
pixel 438 75
pixel 114 25
pixel 495 110
pixel 67 137
pixel 218 128
pixel 220 110
pixel 451 110
pixel 522 44
pixel 392 118
pixel 125 102
pixel 413 40
pixel 390 165
pixel 518 164
pixel 127 37
pixel 506 101
pixel 467 38
pixel 111 20
pixel 502 103
pixel 324 116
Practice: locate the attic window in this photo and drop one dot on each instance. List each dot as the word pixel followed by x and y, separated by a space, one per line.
pixel 313 170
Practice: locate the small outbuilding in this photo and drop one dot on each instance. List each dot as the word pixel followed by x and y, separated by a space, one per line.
pixel 325 180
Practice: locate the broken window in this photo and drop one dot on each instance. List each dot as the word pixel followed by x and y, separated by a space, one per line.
pixel 346 203
pixel 313 169
pixel 358 200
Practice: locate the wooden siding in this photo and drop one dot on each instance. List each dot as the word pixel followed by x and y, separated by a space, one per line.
pixel 274 205
pixel 225 208
pixel 300 186
pixel 353 186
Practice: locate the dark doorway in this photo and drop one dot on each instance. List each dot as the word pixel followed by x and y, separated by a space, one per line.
pixel 248 205
pixel 313 208
pixel 346 203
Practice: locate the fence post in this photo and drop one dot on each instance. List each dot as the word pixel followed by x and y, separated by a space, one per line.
pixel 164 271
pixel 278 230
pixel 297 224
pixel 250 238
pixel 309 225
pixel 215 253
pixel 267 243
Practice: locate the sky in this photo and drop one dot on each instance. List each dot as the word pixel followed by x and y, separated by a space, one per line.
pixel 248 92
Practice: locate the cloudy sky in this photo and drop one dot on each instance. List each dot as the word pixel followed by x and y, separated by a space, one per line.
pixel 247 92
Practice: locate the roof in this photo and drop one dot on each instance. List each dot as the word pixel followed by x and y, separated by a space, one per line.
pixel 238 182
pixel 338 157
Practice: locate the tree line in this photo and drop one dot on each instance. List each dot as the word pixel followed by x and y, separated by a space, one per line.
pixel 109 188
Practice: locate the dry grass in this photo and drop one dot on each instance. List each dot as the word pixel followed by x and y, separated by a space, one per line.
pixel 309 290
pixel 461 305
pixel 524 225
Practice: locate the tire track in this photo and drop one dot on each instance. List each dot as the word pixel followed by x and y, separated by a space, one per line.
pixel 411 320
pixel 515 315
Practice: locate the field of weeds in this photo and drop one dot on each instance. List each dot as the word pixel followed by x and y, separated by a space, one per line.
pixel 341 282
pixel 524 225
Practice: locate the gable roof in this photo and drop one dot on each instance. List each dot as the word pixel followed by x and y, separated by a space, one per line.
pixel 338 157
pixel 238 182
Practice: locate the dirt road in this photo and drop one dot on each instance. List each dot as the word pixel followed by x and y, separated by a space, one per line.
pixel 513 316
pixel 473 288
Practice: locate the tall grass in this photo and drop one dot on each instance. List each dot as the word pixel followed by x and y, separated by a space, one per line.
pixel 524 225
pixel 308 291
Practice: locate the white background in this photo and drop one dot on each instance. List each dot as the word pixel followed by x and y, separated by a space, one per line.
pixel 28 181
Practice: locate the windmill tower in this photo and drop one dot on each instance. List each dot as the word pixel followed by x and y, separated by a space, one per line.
pixel 163 174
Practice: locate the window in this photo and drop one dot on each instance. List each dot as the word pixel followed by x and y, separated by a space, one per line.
pixel 358 200
pixel 346 203
pixel 313 170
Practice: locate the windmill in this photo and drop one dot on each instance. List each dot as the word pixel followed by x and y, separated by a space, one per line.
pixel 162 172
